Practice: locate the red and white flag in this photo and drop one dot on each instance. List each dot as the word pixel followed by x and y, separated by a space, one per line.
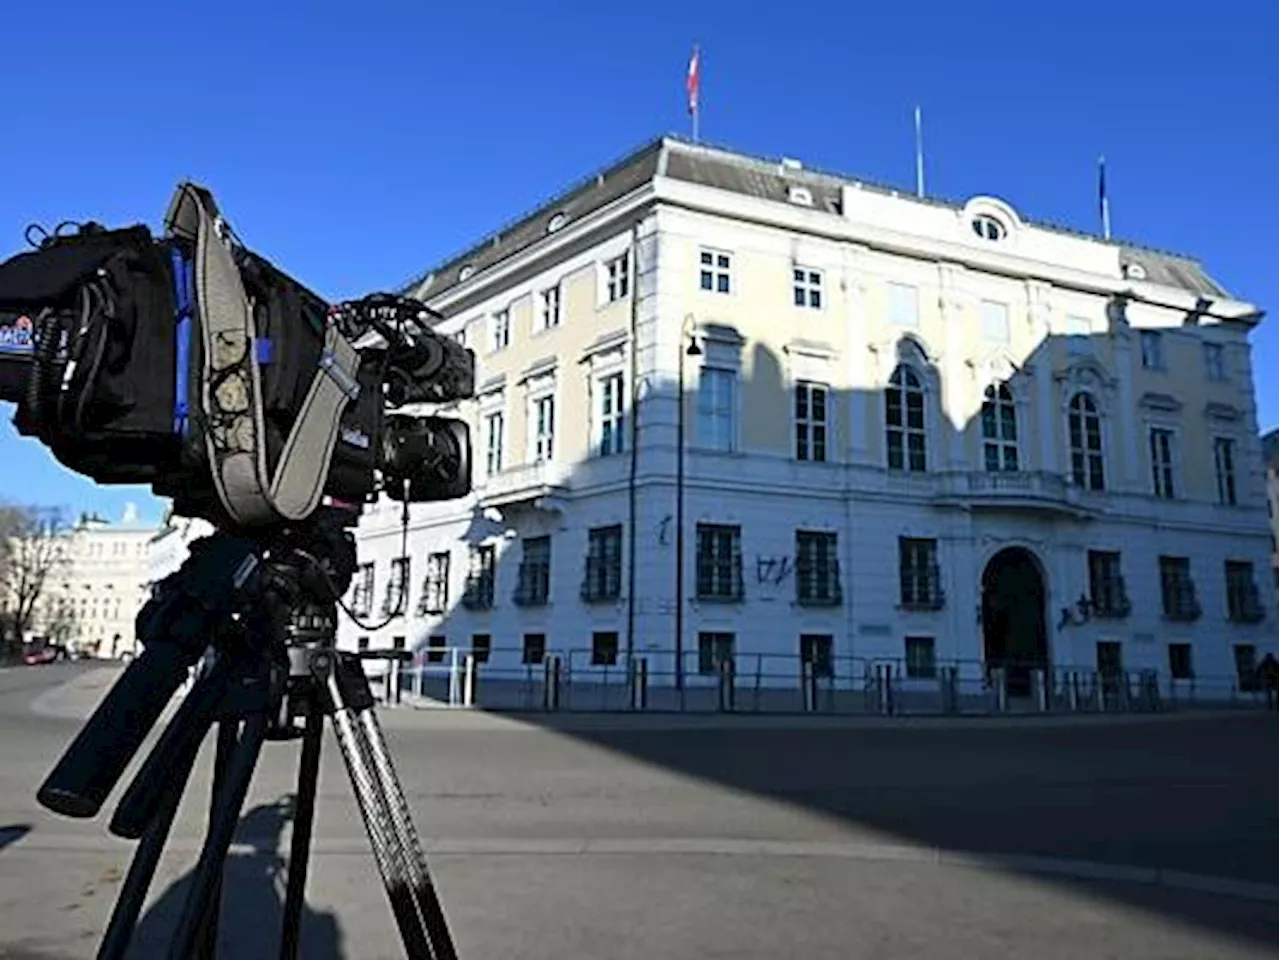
pixel 692 81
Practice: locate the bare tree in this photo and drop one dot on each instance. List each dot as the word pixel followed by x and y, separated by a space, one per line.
pixel 32 555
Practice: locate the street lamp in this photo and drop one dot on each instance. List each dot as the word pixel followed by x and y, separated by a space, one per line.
pixel 689 349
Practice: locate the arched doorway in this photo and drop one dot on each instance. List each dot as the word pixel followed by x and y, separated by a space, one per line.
pixel 1014 635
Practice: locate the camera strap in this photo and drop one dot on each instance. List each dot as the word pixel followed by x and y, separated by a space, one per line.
pixel 231 392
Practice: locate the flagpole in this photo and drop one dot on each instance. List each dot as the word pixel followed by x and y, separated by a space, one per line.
pixel 1103 203
pixel 693 88
pixel 919 155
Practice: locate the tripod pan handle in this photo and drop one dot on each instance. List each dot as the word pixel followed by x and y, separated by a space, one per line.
pixel 93 764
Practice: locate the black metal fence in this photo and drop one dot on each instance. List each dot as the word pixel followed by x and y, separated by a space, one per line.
pixel 784 684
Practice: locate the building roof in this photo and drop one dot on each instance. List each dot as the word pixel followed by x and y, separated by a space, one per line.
pixel 765 178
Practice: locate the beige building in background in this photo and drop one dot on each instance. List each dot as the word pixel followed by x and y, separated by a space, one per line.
pixel 917 433
pixel 94 594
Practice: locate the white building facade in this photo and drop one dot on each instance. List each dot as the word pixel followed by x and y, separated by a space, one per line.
pixel 99 585
pixel 914 434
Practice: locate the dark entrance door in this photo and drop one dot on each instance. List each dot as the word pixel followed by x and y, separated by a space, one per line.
pixel 1013 625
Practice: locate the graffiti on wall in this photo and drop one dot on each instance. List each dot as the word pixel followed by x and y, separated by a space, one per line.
pixel 773 571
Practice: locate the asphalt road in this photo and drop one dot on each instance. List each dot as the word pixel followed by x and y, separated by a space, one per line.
pixel 677 839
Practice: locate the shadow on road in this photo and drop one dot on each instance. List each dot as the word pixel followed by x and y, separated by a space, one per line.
pixel 252 900
pixel 12 833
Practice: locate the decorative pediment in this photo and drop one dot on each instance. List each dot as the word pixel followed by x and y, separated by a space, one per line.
pixel 810 348
pixel 546 367
pixel 615 340
pixel 1085 373
pixel 1162 402
pixel 722 333
pixel 493 384
pixel 1225 412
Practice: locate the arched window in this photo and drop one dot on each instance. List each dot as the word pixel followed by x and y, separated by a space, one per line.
pixel 904 420
pixel 999 430
pixel 1084 427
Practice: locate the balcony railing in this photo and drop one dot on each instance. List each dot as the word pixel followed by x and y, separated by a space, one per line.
pixel 602 580
pixel 1109 599
pixel 541 484
pixel 1180 601
pixel 477 594
pixel 1009 490
pixel 1245 604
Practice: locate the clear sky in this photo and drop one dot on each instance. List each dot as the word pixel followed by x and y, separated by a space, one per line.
pixel 356 144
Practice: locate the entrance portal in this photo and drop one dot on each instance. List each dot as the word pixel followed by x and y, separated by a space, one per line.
pixel 1013 626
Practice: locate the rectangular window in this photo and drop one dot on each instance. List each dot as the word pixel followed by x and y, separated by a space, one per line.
pixel 921 657
pixel 1106 585
pixel 535 648
pixel 435 585
pixel 1178 590
pixel 617 278
pixel 715 652
pixel 500 330
pixel 806 288
pixel 1224 466
pixel 1152 349
pixel 919 577
pixel 811 422
pixel 1244 603
pixel 904 421
pixel 999 430
pixel 534 587
pixel 902 305
pixel 481 578
pixel 717 400
pixel 544 428
pixel 493 431
pixel 995 321
pixel 1161 449
pixel 609 416
pixel 715 269
pixel 362 591
pixel 481 645
pixel 1215 361
pixel 604 648
pixel 816 653
pixel 719 567
pixel 396 599
pixel 550 314
pixel 437 644
pixel 1180 661
pixel 603 577
pixel 817 569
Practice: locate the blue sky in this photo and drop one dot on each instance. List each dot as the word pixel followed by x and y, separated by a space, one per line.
pixel 358 143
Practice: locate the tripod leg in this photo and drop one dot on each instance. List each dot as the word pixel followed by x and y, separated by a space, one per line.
pixel 377 822
pixel 133 892
pixel 222 826
pixel 207 940
pixel 410 847
pixel 300 844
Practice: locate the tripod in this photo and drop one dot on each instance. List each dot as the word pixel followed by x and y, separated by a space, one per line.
pixel 268 613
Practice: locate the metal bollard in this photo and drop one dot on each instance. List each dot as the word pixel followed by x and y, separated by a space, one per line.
pixel 639 683
pixel 726 685
pixel 884 687
pixel 1000 683
pixel 551 682
pixel 1040 690
pixel 809 686
pixel 469 680
pixel 1073 691
pixel 949 688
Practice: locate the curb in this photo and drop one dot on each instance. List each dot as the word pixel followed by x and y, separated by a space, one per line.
pixel 1050 867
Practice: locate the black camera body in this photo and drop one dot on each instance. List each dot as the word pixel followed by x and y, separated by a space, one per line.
pixel 192 364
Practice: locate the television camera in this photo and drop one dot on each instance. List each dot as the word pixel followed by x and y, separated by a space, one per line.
pixel 191 363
